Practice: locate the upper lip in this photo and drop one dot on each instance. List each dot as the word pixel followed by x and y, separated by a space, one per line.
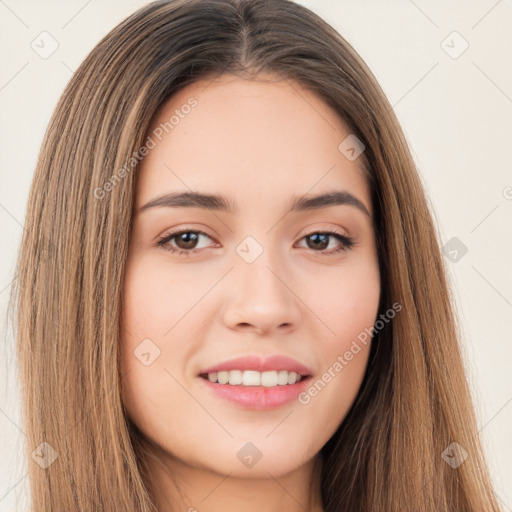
pixel 260 364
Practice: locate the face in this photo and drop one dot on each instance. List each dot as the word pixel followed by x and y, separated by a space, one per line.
pixel 227 302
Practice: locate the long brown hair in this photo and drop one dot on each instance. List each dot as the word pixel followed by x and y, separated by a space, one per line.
pixel 414 402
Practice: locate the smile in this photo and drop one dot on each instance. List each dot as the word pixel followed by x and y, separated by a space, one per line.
pixel 254 378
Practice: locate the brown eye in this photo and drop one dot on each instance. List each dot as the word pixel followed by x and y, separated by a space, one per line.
pixel 182 242
pixel 319 242
pixel 186 240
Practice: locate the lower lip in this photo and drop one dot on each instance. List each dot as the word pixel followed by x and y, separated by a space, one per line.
pixel 258 397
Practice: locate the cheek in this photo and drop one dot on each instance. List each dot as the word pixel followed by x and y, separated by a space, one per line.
pixel 330 394
pixel 146 316
pixel 348 308
pixel 156 299
pixel 157 308
pixel 148 386
pixel 345 301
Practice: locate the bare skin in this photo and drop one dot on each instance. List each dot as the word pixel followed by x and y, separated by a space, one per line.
pixel 260 145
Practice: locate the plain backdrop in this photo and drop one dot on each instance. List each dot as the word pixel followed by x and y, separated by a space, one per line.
pixel 446 67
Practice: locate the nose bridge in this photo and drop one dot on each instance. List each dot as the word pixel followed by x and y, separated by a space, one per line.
pixel 258 269
pixel 262 295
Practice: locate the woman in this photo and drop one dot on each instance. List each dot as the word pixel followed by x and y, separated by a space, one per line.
pixel 230 290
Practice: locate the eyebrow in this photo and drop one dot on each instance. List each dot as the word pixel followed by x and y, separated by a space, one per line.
pixel 221 203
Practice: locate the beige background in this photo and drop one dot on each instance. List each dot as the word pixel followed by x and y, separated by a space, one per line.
pixel 457 116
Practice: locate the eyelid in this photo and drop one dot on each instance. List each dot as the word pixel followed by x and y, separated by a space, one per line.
pixel 301 234
pixel 184 229
pixel 319 228
pixel 346 241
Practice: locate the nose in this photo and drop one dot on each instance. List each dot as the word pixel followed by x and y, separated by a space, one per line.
pixel 261 298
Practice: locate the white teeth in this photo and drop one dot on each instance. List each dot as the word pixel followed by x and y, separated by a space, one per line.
pixel 282 377
pixel 235 377
pixel 223 377
pixel 268 379
pixel 251 378
pixel 292 378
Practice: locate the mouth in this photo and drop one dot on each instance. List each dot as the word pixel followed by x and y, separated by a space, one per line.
pixel 251 378
pixel 253 383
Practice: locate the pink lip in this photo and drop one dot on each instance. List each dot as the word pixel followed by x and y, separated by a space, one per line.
pixel 258 397
pixel 260 364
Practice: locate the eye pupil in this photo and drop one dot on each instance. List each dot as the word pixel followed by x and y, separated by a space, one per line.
pixel 324 240
pixel 188 238
pixel 184 242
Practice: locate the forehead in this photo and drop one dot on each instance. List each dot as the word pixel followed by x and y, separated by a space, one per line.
pixel 267 135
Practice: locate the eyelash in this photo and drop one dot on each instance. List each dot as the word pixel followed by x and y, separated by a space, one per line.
pixel 346 242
